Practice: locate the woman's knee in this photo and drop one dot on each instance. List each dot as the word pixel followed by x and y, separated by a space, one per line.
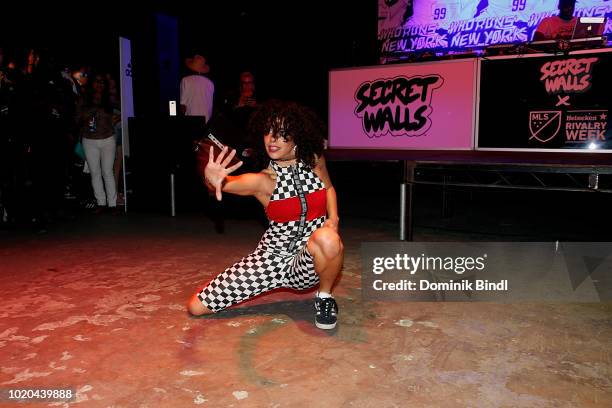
pixel 95 172
pixel 328 242
pixel 196 307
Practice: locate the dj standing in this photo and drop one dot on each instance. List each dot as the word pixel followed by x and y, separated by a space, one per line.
pixel 558 27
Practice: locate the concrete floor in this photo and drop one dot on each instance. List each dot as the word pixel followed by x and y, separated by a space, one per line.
pixel 99 307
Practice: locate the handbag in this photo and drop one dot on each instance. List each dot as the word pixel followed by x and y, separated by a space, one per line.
pixel 78 150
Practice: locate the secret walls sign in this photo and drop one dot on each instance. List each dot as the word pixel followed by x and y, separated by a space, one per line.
pixel 559 102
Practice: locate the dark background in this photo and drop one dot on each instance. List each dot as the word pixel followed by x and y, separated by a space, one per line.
pixel 290 46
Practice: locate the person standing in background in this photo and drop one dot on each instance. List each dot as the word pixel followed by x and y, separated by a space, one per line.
pixel 247 91
pixel 197 90
pixel 558 27
pixel 95 120
pixel 238 105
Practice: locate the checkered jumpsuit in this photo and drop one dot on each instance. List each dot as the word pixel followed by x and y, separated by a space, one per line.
pixel 297 208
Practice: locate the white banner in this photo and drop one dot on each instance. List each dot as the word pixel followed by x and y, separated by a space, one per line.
pixel 127 95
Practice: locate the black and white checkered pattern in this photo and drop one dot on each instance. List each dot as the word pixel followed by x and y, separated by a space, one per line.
pixel 279 235
pixel 285 188
pixel 257 273
pixel 302 274
pixel 274 263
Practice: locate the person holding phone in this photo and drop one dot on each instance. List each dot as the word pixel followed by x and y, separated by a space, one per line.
pixel 247 90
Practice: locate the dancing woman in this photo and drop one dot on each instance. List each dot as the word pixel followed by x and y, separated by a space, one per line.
pixel 301 247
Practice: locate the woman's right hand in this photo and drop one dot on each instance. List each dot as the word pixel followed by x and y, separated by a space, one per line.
pixel 216 170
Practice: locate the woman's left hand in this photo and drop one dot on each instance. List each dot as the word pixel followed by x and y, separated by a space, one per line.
pixel 332 223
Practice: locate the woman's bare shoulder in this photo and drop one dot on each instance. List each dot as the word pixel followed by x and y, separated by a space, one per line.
pixel 268 176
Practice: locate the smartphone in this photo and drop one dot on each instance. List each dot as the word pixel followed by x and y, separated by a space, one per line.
pixel 172 108
pixel 215 141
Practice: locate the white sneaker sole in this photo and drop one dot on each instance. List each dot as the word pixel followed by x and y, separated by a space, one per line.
pixel 325 326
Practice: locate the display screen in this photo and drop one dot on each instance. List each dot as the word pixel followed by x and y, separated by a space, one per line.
pixel 546 103
pixel 406 27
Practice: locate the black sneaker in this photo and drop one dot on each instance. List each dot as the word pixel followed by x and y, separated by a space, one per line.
pixel 326 315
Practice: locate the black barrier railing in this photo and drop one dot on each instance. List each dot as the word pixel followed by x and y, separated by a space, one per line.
pixel 517 177
pixel 595 179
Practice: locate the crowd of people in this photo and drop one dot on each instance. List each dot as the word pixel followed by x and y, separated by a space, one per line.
pixel 59 132
pixel 61 136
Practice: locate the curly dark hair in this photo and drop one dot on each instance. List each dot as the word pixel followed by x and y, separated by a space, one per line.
pixel 301 124
pixel 105 103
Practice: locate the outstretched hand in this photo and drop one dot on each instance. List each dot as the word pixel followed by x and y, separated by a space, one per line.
pixel 216 170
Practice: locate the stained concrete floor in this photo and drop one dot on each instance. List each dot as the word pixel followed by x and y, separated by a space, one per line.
pixel 99 307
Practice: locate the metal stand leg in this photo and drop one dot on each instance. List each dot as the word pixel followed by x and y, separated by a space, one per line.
pixel 172 205
pixel 406 194
pixel 125 185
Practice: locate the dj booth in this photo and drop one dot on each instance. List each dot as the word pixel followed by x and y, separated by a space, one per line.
pixel 546 46
pixel 524 121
